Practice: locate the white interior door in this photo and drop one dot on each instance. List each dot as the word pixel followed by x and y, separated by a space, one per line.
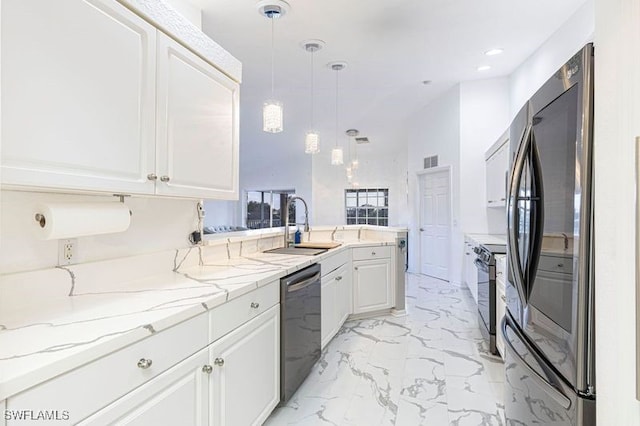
pixel 435 224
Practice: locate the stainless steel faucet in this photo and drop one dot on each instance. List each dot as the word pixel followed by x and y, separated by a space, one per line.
pixel 286 220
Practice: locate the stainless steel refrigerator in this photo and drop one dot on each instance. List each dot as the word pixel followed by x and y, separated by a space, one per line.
pixel 549 324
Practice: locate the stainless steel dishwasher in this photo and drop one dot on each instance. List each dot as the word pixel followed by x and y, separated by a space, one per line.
pixel 299 328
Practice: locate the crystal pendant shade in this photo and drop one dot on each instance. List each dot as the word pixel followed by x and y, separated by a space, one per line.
pixel 272 117
pixel 312 143
pixel 337 157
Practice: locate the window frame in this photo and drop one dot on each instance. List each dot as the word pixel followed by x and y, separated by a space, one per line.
pixel 381 205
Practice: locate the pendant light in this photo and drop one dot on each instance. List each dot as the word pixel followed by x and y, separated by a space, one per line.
pixel 337 155
pixel 272 111
pixel 312 138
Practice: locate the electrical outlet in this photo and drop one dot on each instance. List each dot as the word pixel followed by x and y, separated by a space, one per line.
pixel 67 251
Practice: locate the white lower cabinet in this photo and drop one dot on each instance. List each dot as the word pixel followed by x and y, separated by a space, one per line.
pixel 245 382
pixel 179 396
pixel 372 285
pixel 501 301
pixel 335 302
pixel 469 270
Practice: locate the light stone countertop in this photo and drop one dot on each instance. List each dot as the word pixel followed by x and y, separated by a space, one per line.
pixel 54 320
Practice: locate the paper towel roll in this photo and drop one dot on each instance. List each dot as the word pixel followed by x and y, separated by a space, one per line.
pixel 70 220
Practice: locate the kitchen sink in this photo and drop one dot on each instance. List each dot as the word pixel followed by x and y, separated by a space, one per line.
pixel 297 250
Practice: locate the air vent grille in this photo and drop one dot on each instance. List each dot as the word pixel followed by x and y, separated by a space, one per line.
pixel 430 162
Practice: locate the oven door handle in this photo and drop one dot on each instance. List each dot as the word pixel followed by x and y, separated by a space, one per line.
pixel 303 284
pixel 548 385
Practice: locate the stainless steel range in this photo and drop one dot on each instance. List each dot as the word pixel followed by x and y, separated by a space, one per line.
pixel 486 265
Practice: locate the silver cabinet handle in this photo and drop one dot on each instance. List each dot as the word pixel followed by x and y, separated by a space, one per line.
pixel 165 178
pixel 152 176
pixel 144 363
pixel 503 199
pixel 207 369
pixel 373 253
pixel 339 278
pixel 255 305
pixel 421 229
pixel 560 265
pixel 490 201
pixel 219 362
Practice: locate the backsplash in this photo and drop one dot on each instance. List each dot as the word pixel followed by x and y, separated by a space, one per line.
pixel 157 224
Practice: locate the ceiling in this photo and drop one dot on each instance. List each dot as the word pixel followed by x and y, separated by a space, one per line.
pixel 390 46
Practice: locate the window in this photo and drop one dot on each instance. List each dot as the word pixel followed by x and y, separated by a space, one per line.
pixel 367 206
pixel 264 207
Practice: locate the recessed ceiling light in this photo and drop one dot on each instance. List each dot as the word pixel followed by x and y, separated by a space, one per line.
pixel 484 68
pixel 494 52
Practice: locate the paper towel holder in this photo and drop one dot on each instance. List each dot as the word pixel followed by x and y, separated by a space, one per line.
pixel 121 196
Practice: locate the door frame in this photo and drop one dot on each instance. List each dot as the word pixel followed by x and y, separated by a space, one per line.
pixel 420 175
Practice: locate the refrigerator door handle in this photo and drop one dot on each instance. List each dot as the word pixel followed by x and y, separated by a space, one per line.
pixel 551 388
pixel 512 235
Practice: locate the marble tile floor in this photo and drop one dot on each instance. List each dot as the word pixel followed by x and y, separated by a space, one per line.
pixel 430 367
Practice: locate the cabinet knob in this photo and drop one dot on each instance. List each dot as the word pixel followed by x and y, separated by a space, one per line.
pixel 421 229
pixel 144 363
pixel 373 253
pixel 165 178
pixel 152 176
pixel 503 199
pixel 255 305
pixel 219 362
pixel 560 265
pixel 504 298
pixel 339 278
pixel 207 369
pixel 491 201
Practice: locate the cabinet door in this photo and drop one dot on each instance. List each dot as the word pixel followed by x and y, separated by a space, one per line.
pixel 197 126
pixel 245 384
pixel 329 311
pixel 179 396
pixel 371 285
pixel 496 168
pixel 344 296
pixel 78 96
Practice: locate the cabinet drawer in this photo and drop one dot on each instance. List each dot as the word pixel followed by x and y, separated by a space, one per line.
pixel 337 274
pixel 335 261
pixel 233 314
pixel 87 389
pixel 560 264
pixel 370 253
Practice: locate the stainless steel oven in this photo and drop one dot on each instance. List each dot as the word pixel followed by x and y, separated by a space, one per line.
pixel 486 265
pixel 299 328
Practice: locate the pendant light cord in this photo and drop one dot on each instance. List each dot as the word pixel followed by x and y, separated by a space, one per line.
pixel 312 88
pixel 337 71
pixel 272 58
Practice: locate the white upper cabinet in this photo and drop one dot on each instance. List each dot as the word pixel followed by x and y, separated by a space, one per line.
pixel 197 126
pixel 497 166
pixel 95 98
pixel 78 96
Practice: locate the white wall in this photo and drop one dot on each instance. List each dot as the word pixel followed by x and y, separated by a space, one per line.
pixel 156 225
pixel 551 55
pixel 484 116
pixel 617 123
pixel 378 168
pixel 435 130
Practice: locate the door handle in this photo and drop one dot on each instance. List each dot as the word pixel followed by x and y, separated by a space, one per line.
pixel 552 388
pixel 512 237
